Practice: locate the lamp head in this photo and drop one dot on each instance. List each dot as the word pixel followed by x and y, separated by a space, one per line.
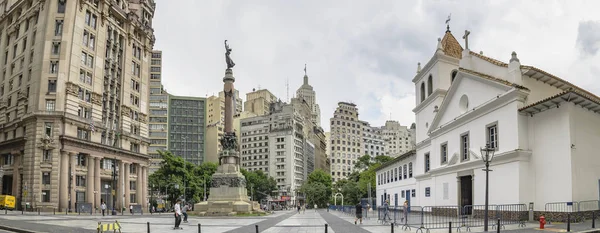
pixel 487 153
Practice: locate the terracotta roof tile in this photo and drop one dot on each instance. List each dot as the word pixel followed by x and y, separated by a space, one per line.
pixel 573 86
pixel 579 92
pixel 489 59
pixel 502 81
pixel 450 46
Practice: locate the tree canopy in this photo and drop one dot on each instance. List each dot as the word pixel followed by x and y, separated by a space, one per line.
pixel 259 184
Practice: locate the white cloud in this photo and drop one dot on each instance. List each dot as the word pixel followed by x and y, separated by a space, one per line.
pixel 361 51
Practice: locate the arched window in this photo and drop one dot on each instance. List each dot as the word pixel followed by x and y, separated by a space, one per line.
pixel 422 91
pixel 410 170
pixel 429 85
pixel 454 72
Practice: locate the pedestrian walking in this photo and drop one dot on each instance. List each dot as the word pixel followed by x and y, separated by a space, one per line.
pixel 299 208
pixel 186 207
pixel 359 216
pixel 405 218
pixel 178 213
pixel 103 206
pixel 315 207
pixel 386 210
pixel 131 209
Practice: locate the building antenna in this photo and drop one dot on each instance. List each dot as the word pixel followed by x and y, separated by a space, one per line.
pixel 287 89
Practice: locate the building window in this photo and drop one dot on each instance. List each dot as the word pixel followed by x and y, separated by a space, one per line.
pixel 427 192
pixel 444 153
pixel 410 170
pixel 453 75
pixel 422 91
pixel 53 67
pixel 464 146
pixel 81 158
pixel 45 195
pixel 62 6
pixel 395 174
pixel 48 129
pixel 79 197
pixel 47 155
pixel 414 193
pixel 402 192
pixel 405 171
pixel 132 198
pixel 135 147
pixel 46 178
pixel 80 181
pixel 51 86
pixel 427 165
pixel 492 136
pixel 132 185
pixel 58 27
pixel 429 85
pixel 400 172
pixel 83 134
pixel 50 105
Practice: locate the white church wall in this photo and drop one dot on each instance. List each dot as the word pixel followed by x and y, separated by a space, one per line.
pixel 444 74
pixel 479 65
pixel 523 130
pixel 477 92
pixel 551 148
pixel 585 136
pixel 526 179
pixel 539 90
pixel 504 184
pixel 445 190
pixel 396 186
pixel 424 118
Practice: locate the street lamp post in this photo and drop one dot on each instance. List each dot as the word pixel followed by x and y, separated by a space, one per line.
pixel 487 155
pixel 106 186
pixel 1 178
pixel 114 185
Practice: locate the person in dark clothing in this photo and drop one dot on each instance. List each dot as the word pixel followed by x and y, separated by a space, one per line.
pixel 358 213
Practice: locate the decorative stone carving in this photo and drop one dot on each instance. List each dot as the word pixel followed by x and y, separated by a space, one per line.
pixel 229 141
pixel 125 111
pixel 81 3
pixel 143 118
pixel 21 94
pixel 46 143
pixel 228 181
pixel 96 98
pixel 2 103
pixel 72 89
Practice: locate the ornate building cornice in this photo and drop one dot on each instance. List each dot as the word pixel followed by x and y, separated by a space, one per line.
pixel 71 143
pixel 125 111
pixel 96 98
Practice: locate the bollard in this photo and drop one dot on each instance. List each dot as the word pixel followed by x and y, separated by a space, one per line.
pixel 392 225
pixel 568 222
pixel 256 226
pixel 326 227
pixel 148 226
pixel 449 227
pixel 38 210
pixel 66 211
pixel 498 226
pixel 21 211
pixel 593 219
pixel 5 210
pixel 199 228
pixel 54 210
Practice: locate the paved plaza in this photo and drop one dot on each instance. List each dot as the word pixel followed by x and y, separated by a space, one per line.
pixel 309 221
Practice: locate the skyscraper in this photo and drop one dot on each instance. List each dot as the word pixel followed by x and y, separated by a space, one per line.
pixel 346 140
pixel 68 133
pixel 187 127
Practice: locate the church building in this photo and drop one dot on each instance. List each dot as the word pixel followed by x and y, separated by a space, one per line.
pixel 544 132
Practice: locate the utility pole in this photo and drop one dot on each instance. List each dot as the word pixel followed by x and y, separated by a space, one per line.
pixel 204 188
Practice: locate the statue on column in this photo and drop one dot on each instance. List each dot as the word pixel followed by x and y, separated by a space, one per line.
pixel 230 63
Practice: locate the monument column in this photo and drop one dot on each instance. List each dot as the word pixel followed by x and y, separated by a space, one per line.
pixel 72 177
pixel 90 181
pixel 127 187
pixel 64 181
pixel 121 186
pixel 138 184
pixel 97 182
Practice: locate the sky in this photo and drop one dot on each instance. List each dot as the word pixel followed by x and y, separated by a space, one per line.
pixel 364 52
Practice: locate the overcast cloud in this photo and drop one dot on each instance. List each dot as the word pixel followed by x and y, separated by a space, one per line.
pixel 365 52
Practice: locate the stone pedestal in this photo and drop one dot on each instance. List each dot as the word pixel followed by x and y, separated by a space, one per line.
pixel 228 194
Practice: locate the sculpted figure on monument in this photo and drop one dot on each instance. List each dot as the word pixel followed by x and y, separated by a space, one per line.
pixel 230 63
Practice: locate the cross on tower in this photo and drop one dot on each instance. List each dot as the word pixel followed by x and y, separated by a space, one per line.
pixel 466 37
pixel 304 68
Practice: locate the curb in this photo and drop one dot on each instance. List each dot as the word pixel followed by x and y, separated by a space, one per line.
pixel 14 229
pixel 590 231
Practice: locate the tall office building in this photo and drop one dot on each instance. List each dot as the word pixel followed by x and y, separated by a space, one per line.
pixel 186 127
pixel 399 139
pixel 158 107
pixel 258 101
pixel 68 68
pixel 215 122
pixel 373 139
pixel 276 144
pixel 346 140
pixel 309 95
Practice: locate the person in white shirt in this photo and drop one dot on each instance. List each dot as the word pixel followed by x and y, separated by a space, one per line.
pixel 178 214
pixel 315 207
pixel 103 206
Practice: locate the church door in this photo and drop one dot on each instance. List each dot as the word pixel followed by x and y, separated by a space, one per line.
pixel 466 194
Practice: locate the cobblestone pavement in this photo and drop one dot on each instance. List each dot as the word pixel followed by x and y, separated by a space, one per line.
pixel 282 221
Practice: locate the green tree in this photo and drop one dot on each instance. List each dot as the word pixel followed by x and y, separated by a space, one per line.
pixel 204 173
pixel 178 178
pixel 259 184
pixel 318 187
pixel 363 162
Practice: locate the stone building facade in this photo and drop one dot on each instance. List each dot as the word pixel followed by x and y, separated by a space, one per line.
pixel 346 139
pixel 73 95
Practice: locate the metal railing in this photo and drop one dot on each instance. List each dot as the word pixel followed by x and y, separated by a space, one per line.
pixel 571 211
